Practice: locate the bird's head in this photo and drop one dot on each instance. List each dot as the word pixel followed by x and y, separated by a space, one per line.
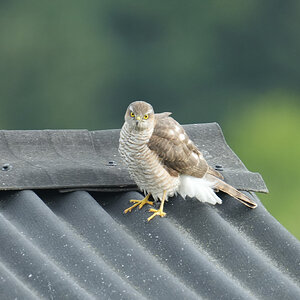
pixel 139 116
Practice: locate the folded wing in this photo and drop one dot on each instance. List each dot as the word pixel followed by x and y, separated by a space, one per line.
pixel 177 152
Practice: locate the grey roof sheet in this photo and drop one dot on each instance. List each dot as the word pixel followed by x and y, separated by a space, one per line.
pixel 69 159
pixel 79 245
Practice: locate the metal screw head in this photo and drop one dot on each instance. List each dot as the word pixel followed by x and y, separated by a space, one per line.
pixel 218 168
pixel 6 167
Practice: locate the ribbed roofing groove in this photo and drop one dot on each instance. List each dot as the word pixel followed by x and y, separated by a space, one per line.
pixel 178 255
pixel 35 279
pixel 270 236
pixel 11 282
pixel 164 238
pixel 64 253
pixel 80 245
pixel 118 247
pixel 223 242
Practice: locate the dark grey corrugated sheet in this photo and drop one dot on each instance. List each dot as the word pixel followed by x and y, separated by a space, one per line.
pixel 81 159
pixel 80 246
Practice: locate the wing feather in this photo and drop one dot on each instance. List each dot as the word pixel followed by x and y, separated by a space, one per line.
pixel 177 152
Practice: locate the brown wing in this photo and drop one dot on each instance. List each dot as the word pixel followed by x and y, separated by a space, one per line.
pixel 178 153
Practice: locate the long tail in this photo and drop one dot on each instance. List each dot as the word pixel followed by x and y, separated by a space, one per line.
pixel 230 190
pixel 204 189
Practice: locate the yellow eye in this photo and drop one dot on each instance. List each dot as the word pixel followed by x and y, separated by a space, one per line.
pixel 132 114
pixel 146 117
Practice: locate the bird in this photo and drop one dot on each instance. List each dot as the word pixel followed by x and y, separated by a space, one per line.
pixel 163 161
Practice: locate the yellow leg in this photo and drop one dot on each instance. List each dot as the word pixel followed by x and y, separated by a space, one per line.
pixel 139 203
pixel 158 212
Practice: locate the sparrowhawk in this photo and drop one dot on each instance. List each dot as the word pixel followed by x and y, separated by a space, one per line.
pixel 163 161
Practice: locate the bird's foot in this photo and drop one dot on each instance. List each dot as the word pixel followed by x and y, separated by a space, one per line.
pixel 139 203
pixel 156 212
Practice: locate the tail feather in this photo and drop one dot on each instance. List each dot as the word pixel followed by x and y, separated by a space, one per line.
pixel 230 190
pixel 200 188
pixel 204 189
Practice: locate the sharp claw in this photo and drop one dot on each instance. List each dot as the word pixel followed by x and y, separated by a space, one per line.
pixel 156 212
pixel 139 203
pixel 135 201
pixel 150 218
pixel 128 210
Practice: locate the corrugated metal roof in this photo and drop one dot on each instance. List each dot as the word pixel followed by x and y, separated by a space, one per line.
pixel 79 245
pixel 67 159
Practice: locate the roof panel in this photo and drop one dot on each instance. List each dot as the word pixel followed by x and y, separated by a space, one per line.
pixel 80 245
pixel 81 159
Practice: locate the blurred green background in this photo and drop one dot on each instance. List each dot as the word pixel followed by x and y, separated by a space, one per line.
pixel 78 64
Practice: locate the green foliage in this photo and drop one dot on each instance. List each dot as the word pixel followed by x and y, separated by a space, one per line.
pixel 77 64
pixel 266 138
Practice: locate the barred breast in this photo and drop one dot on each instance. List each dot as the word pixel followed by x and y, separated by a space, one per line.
pixel 144 165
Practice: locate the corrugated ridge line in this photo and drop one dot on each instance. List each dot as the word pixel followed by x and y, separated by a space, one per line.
pixel 235 240
pixel 12 285
pixel 245 248
pixel 111 234
pixel 34 210
pixel 274 231
pixel 262 258
pixel 201 275
pixel 15 243
pixel 106 221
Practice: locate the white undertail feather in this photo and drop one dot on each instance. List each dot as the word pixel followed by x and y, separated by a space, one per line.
pixel 200 188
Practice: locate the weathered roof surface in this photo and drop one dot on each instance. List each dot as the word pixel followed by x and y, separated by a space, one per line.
pixel 89 159
pixel 79 245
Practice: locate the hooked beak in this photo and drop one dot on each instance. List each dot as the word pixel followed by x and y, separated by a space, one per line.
pixel 138 120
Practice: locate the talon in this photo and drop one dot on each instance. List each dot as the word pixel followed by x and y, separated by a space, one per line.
pixel 139 203
pixel 158 212
pixel 135 201
pixel 128 209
